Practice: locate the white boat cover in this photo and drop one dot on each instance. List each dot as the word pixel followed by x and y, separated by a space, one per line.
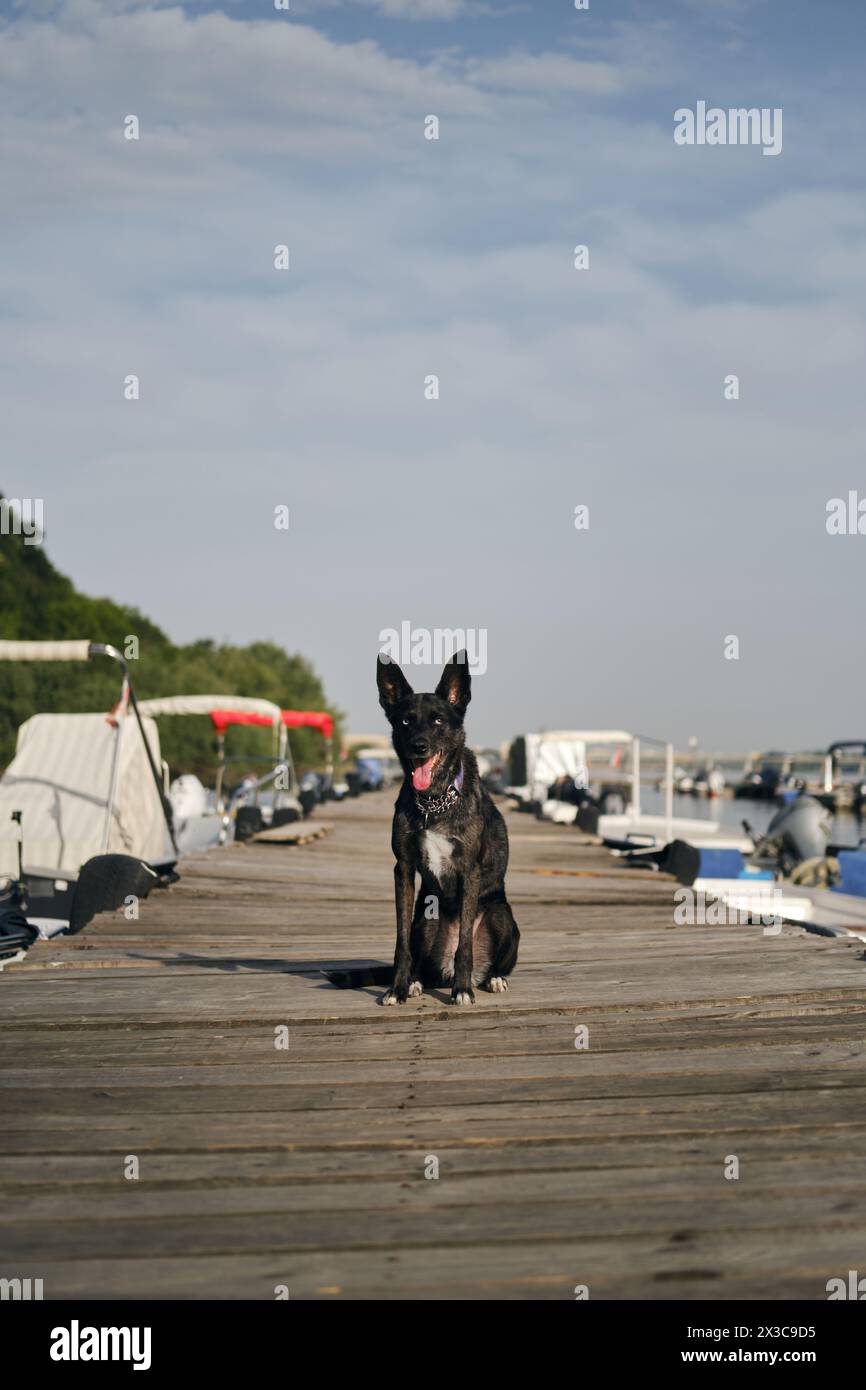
pixel 562 753
pixel 205 704
pixel 44 651
pixel 60 779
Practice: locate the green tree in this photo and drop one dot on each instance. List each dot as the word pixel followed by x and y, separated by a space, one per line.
pixel 39 603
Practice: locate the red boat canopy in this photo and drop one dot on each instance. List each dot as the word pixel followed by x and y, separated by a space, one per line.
pixel 313 718
pixel 222 718
pixel 292 719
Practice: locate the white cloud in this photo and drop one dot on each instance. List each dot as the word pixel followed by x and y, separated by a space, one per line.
pixel 418 9
pixel 398 9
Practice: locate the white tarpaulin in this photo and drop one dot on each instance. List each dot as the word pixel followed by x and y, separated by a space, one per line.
pixel 60 780
pixel 562 754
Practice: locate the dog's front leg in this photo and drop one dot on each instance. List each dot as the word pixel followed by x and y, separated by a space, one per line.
pixel 404 894
pixel 461 991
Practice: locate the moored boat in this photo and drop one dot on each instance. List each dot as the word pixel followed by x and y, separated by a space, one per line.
pixel 84 822
pixel 205 819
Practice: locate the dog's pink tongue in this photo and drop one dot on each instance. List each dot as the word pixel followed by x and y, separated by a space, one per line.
pixel 422 775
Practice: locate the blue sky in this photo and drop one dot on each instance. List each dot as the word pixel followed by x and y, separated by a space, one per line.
pixel 454 257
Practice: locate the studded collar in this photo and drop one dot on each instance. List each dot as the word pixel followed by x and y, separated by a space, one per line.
pixel 431 807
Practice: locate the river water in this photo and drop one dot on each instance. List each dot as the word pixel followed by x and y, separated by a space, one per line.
pixel 847 828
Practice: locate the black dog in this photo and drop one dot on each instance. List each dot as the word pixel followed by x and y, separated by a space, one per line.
pixel 447 829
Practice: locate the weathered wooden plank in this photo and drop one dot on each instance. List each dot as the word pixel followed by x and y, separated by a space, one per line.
pixel 605 1190
pixel 295 990
pixel 716 1265
pixel 624 1120
pixel 812 1060
pixel 156 1038
pixel 568 1082
pixel 805 1149
pixel 717 1029
pixel 420 1227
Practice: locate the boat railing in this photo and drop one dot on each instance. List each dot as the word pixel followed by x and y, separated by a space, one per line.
pixel 283 771
pixel 637 740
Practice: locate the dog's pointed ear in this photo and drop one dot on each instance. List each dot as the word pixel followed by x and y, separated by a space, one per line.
pixel 455 685
pixel 393 685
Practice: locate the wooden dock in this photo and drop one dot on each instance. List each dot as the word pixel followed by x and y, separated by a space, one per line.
pixel 154 1045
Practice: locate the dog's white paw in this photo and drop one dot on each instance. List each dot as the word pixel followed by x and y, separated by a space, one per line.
pixel 391 998
pixel 463 996
pixel 497 984
pixel 415 989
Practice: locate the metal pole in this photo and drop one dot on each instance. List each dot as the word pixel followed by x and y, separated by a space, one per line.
pixel 669 788
pixel 289 760
pixel 158 783
pixel 221 758
pixel 104 649
pixel 115 764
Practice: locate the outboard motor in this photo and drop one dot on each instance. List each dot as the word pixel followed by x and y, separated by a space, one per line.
pixel 188 797
pixel 798 831
pixel 309 792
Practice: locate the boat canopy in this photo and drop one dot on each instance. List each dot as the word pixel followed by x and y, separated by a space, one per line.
pixel 564 753
pixel 225 710
pixel 310 718
pixel 222 719
pixel 86 784
pixel 290 719
pixel 224 705
pixel 583 736
pixel 84 787
pixel 228 710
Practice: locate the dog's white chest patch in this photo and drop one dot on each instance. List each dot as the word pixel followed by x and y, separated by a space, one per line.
pixel 436 851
